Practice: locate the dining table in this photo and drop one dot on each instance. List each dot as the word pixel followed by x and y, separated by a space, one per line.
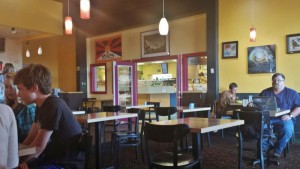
pixel 200 126
pixel 97 119
pixel 24 150
pixel 182 110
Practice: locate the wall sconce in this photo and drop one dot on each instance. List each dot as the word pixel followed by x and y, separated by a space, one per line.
pixel 163 24
pixel 68 23
pixel 85 9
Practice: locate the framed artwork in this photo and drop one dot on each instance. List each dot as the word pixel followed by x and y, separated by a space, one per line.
pixel 108 49
pixel 230 49
pixel 293 43
pixel 98 78
pixel 153 44
pixel 261 59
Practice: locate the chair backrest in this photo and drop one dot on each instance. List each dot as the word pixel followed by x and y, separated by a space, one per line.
pixel 141 116
pixel 164 111
pixel 255 119
pixel 114 108
pixel 85 142
pixel 165 134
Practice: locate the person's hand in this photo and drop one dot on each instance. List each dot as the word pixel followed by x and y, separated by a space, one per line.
pixel 285 117
pixel 23 166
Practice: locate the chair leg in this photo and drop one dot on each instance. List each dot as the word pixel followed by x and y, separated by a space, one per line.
pixel 208 139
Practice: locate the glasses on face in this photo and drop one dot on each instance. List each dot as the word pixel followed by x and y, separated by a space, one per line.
pixel 277 80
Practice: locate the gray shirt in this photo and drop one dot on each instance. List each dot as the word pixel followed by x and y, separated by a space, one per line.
pixel 8 138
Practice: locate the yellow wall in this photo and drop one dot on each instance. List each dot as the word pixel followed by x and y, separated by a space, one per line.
pixel 58 56
pixel 273 19
pixel 187 35
pixel 39 15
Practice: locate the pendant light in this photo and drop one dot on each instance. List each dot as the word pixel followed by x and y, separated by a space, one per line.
pixel 27 53
pixel 163 24
pixel 40 51
pixel 68 23
pixel 252 29
pixel 85 9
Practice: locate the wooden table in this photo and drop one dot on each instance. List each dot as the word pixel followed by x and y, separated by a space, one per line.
pixel 182 110
pixel 97 118
pixel 275 113
pixel 199 126
pixel 24 150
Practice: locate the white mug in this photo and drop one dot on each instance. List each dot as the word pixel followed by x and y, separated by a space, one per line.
pixel 191 105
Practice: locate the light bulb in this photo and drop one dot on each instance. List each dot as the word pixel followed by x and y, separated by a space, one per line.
pixel 40 51
pixel 252 34
pixel 68 25
pixel 27 53
pixel 85 9
pixel 163 26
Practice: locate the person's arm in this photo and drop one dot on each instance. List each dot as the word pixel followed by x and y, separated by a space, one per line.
pixel 293 113
pixel 32 134
pixel 40 142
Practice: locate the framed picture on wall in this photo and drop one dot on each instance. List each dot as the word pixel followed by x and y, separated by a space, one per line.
pixel 230 49
pixel 261 59
pixel 293 43
pixel 153 44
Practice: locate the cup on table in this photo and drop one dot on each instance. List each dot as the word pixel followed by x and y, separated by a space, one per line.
pixel 191 105
pixel 250 98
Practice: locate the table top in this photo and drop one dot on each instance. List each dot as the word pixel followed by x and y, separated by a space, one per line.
pixel 24 150
pixel 280 112
pixel 103 116
pixel 140 106
pixel 77 112
pixel 203 125
pixel 195 109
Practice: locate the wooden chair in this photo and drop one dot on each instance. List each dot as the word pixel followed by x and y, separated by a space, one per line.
pixel 256 119
pixel 169 158
pixel 219 114
pixel 131 138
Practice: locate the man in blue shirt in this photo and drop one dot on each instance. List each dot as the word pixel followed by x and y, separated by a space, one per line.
pixel 286 98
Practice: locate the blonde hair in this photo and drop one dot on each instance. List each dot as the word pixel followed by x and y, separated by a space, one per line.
pixel 10 76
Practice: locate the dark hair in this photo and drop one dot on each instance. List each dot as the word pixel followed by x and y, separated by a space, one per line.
pixel 278 74
pixel 233 85
pixel 35 74
pixel 8 67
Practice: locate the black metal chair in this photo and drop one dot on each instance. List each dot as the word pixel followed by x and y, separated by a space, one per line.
pixel 115 123
pixel 85 142
pixel 151 110
pixel 131 138
pixel 168 158
pixel 164 111
pixel 255 120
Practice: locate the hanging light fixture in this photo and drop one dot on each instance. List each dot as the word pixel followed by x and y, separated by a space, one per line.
pixel 68 23
pixel 163 24
pixel 252 29
pixel 27 53
pixel 40 51
pixel 85 9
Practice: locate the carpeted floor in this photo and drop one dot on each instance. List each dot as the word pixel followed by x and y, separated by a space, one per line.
pixel 222 154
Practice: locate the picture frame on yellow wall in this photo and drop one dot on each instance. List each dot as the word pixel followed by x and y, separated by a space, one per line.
pixel 262 59
pixel 293 43
pixel 153 44
pixel 230 49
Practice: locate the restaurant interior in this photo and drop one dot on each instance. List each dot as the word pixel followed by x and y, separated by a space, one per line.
pixel 193 68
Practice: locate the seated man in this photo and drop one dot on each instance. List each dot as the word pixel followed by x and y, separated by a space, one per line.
pixel 226 98
pixel 286 98
pixel 55 132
